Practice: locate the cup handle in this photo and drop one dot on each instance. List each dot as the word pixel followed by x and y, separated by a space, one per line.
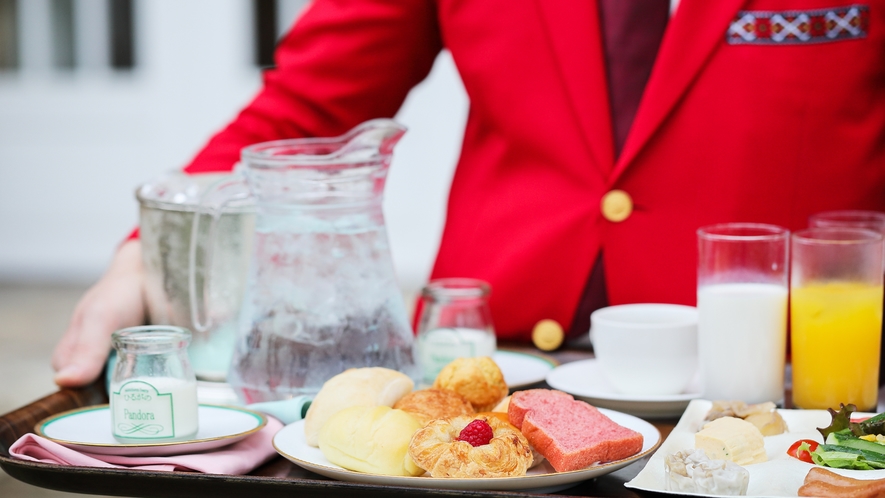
pixel 212 203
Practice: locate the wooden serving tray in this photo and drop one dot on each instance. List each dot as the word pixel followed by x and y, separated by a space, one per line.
pixel 277 478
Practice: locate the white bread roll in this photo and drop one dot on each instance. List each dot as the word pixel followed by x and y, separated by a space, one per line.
pixel 372 439
pixel 371 386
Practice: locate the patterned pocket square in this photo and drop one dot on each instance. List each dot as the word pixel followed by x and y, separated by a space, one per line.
pixel 760 27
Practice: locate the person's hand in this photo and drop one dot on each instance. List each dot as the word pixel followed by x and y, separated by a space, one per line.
pixel 116 301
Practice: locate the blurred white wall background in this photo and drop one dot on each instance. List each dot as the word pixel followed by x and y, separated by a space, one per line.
pixel 76 141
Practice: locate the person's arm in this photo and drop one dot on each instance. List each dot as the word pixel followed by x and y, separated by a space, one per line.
pixel 113 303
pixel 343 62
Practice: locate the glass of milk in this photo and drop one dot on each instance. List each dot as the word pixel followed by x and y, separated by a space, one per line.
pixel 153 390
pixel 454 322
pixel 743 286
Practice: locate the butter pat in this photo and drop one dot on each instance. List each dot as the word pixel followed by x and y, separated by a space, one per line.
pixel 733 439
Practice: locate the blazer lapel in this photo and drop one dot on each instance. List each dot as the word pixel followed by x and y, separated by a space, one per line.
pixel 573 32
pixel 696 29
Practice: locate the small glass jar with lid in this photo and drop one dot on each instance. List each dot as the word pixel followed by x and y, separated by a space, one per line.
pixel 153 390
pixel 454 322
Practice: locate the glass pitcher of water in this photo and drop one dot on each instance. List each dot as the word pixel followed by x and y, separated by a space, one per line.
pixel 321 295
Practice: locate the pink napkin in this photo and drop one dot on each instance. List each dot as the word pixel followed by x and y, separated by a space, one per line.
pixel 238 458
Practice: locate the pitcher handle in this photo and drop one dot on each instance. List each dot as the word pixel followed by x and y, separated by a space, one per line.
pixel 213 201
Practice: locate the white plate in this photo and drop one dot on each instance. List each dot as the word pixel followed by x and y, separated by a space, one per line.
pixel 781 475
pixel 523 369
pixel 290 443
pixel 584 380
pixel 89 430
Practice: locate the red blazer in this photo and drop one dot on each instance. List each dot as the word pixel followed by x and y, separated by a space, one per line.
pixel 764 132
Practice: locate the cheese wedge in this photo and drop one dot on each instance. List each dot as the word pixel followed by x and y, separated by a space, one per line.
pixel 769 424
pixel 733 439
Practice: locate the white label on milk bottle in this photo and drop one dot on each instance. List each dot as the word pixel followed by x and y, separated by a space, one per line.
pixel 140 411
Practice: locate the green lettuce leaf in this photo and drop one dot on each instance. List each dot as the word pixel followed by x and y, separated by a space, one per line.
pixel 872 425
pixel 843 457
pixel 841 420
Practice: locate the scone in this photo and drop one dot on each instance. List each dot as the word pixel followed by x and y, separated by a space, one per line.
pixel 371 386
pixel 373 439
pixel 478 379
pixel 437 449
pixel 432 403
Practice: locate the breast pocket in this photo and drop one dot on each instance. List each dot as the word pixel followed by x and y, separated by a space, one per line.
pixel 797 26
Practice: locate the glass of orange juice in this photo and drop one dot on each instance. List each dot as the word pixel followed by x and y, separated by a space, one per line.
pixel 836 316
pixel 854 218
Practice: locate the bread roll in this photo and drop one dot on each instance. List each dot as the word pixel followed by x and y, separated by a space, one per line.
pixel 432 404
pixel 371 386
pixel 371 439
pixel 478 379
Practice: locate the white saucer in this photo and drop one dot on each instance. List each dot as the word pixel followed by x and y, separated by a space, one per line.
pixel 523 369
pixel 584 380
pixel 89 430
pixel 290 443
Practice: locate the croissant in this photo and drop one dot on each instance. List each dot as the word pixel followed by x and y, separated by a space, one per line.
pixel 436 450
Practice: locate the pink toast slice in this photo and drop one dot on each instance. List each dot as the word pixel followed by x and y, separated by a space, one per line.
pixel 571 434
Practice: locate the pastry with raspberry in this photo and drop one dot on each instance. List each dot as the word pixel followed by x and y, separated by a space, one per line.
pixel 466 446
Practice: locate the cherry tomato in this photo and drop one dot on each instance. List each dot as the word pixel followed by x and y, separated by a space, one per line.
pixel 804 453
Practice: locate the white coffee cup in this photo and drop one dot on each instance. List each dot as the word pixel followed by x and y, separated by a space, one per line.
pixel 646 349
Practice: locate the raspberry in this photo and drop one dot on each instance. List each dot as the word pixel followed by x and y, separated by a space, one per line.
pixel 477 433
